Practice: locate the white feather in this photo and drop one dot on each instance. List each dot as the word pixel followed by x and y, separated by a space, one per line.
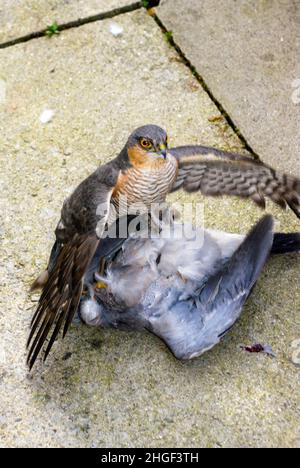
pixel 228 243
pixel 115 29
pixel 46 116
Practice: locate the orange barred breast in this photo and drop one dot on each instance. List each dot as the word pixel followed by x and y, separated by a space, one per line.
pixel 144 184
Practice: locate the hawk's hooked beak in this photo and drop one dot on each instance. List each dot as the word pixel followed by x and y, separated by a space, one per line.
pixel 162 151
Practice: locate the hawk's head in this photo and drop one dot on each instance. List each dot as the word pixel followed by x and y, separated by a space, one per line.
pixel 147 145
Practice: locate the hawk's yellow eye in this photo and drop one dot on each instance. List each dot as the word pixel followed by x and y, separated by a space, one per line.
pixel 145 143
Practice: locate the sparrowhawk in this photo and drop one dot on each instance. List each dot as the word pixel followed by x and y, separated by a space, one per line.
pixel 145 171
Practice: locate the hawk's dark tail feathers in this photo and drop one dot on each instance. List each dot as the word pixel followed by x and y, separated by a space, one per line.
pixel 61 294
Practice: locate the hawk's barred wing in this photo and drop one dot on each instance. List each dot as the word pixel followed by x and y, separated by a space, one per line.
pixel 61 294
pixel 215 172
pixel 198 150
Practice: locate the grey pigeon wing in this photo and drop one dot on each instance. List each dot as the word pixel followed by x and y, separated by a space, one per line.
pixel 194 326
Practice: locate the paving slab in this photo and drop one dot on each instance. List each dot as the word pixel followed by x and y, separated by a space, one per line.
pixel 21 17
pixel 248 54
pixel 108 388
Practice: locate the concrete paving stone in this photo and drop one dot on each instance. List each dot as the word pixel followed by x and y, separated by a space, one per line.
pixel 21 17
pixel 248 54
pixel 108 388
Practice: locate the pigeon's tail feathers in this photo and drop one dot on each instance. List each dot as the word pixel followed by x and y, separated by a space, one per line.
pixel 286 243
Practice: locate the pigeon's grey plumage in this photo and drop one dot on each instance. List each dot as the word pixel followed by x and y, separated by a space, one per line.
pixel 189 292
pixel 145 171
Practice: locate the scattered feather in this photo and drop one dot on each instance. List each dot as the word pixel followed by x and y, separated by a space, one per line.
pixel 46 116
pixel 115 29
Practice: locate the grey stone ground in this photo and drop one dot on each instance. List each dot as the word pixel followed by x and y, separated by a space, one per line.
pixel 20 17
pixel 248 53
pixel 108 388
